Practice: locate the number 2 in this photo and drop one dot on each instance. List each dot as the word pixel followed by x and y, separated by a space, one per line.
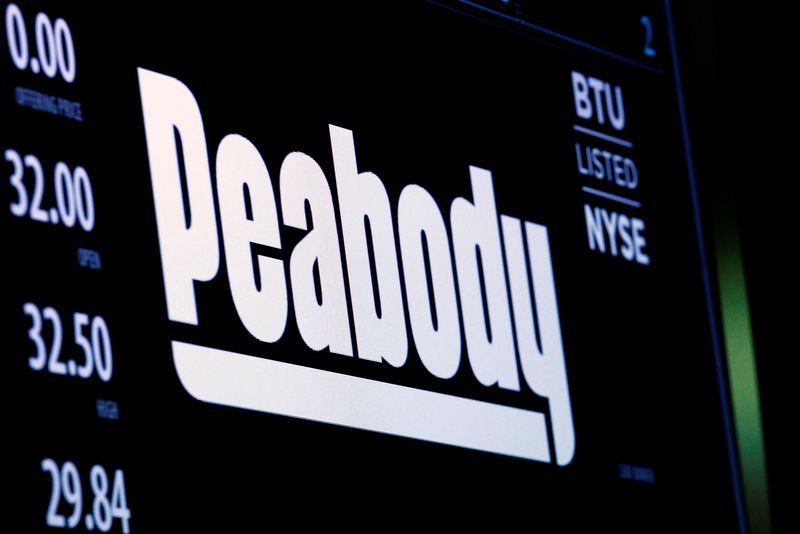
pixel 37 213
pixel 53 519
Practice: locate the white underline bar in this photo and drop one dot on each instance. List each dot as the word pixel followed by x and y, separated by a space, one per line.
pixel 254 383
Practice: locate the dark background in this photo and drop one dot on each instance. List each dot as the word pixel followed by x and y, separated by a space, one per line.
pixel 323 474
pixel 737 62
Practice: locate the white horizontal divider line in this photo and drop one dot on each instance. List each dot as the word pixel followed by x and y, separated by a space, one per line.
pixel 600 135
pixel 622 200
pixel 239 380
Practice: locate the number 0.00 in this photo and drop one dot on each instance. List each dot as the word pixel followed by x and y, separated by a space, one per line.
pixel 55 51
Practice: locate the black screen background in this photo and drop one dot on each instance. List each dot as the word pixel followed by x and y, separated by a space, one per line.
pixel 427 92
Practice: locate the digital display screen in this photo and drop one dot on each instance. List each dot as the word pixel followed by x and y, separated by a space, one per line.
pixel 355 263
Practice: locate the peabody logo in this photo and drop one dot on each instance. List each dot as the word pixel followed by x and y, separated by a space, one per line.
pixel 490 255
